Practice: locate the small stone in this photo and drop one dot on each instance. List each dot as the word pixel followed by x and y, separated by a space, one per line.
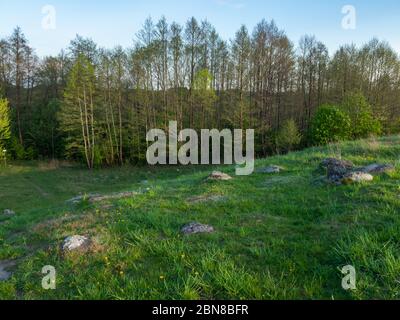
pixel 76 243
pixel 217 175
pixel 4 266
pixel 8 212
pixel 357 177
pixel 194 228
pixel 271 169
pixel 378 168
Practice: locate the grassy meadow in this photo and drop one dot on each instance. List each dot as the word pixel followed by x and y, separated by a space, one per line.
pixel 277 236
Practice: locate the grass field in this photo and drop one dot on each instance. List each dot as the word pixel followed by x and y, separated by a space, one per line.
pixel 279 236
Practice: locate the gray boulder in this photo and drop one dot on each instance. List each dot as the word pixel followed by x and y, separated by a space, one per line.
pixel 270 169
pixel 336 169
pixel 333 162
pixel 336 172
pixel 195 227
pixel 378 168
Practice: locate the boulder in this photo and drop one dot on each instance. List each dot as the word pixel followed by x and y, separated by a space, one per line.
pixel 217 175
pixel 195 227
pixel 336 169
pixel 270 169
pixel 8 212
pixel 336 172
pixel 75 243
pixel 357 177
pixel 332 162
pixel 378 168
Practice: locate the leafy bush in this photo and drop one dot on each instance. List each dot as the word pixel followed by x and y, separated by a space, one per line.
pixel 19 152
pixel 99 156
pixel 288 137
pixel 17 149
pixel 329 125
pixel 363 123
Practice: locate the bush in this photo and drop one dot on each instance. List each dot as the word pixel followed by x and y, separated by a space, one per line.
pixel 329 125
pixel 17 150
pixel 288 137
pixel 363 123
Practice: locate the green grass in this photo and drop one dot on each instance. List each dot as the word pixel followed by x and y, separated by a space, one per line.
pixel 282 236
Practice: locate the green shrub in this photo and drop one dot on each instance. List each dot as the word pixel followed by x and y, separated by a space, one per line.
pixel 30 153
pixel 329 125
pixel 99 157
pixel 363 123
pixel 17 149
pixel 288 137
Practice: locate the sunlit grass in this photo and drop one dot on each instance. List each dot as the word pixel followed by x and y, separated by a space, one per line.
pixel 282 236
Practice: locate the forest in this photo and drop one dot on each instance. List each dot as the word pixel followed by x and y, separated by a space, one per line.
pixel 95 105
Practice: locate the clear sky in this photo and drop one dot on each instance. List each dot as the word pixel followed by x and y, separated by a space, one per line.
pixel 113 22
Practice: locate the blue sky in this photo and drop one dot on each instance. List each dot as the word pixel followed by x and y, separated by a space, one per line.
pixel 115 22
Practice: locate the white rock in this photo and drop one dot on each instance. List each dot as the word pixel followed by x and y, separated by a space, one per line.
pixel 75 243
pixel 8 212
pixel 217 175
pixel 195 227
pixel 357 177
pixel 378 168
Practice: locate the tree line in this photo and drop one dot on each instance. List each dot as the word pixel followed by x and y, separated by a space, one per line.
pixel 96 105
